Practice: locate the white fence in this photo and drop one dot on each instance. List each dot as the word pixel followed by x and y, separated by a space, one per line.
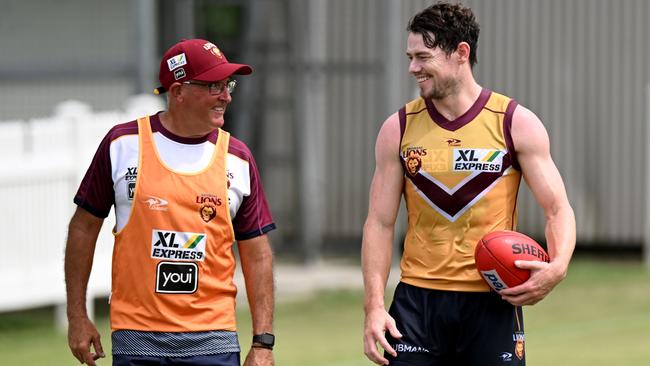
pixel 42 162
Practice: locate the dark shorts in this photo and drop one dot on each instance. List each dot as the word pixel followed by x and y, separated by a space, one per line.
pixel 444 328
pixel 220 359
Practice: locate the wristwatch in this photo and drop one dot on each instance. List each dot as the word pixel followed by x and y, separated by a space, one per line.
pixel 264 340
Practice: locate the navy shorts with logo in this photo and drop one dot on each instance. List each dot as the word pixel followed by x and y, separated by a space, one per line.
pixel 446 328
pixel 219 359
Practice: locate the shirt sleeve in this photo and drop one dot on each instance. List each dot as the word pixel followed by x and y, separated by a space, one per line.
pixel 254 216
pixel 95 193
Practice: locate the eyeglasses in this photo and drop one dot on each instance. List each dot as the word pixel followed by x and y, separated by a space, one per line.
pixel 216 88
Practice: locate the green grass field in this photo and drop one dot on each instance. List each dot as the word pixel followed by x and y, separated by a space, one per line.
pixel 600 315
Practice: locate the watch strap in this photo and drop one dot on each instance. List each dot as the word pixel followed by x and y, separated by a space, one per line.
pixel 264 340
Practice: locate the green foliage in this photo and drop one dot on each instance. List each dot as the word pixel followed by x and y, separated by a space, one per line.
pixel 598 316
pixel 220 21
pixel 324 330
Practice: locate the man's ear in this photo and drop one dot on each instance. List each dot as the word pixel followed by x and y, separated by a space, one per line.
pixel 175 91
pixel 463 50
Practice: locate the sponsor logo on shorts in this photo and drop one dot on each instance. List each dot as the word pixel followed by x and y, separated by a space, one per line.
pixel 518 336
pixel 407 348
pixel 505 356
pixel 520 340
pixel 176 61
pixel 478 160
pixel 493 279
pixel 177 245
pixel 177 278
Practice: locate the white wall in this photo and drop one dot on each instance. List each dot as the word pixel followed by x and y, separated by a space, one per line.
pixel 41 164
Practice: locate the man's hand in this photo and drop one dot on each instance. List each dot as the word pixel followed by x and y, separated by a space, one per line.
pixel 82 334
pixel 258 356
pixel 543 278
pixel 376 323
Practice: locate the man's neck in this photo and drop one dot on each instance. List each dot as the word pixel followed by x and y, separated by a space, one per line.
pixel 179 126
pixel 457 104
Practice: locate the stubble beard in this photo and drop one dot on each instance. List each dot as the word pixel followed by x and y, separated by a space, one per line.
pixel 441 90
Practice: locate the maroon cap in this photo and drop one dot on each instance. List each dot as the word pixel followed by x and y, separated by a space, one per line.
pixel 196 59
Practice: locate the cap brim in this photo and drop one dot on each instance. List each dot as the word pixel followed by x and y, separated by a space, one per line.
pixel 223 71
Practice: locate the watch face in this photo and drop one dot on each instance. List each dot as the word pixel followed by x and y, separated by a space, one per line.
pixel 265 339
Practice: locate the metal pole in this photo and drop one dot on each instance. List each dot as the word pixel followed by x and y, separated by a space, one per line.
pixel 313 148
pixel 184 19
pixel 393 49
pixel 247 120
pixel 646 239
pixel 394 36
pixel 309 122
pixel 145 49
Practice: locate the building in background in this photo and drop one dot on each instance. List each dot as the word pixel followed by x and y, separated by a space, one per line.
pixel 328 73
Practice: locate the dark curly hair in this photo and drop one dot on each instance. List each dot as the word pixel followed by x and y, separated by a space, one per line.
pixel 445 25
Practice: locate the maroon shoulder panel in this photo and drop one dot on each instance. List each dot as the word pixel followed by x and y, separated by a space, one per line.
pixel 507 128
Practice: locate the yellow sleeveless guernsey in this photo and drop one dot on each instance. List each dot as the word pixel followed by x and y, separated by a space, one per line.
pixel 461 181
pixel 173 263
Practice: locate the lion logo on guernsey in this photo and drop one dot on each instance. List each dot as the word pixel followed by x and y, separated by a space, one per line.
pixel 208 212
pixel 208 208
pixel 178 245
pixel 413 158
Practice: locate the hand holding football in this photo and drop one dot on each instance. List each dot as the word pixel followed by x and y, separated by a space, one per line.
pixel 497 252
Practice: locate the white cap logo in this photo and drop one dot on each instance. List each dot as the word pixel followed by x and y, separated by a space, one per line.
pixel 176 61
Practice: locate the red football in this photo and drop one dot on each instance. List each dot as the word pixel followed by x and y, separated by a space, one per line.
pixel 497 252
